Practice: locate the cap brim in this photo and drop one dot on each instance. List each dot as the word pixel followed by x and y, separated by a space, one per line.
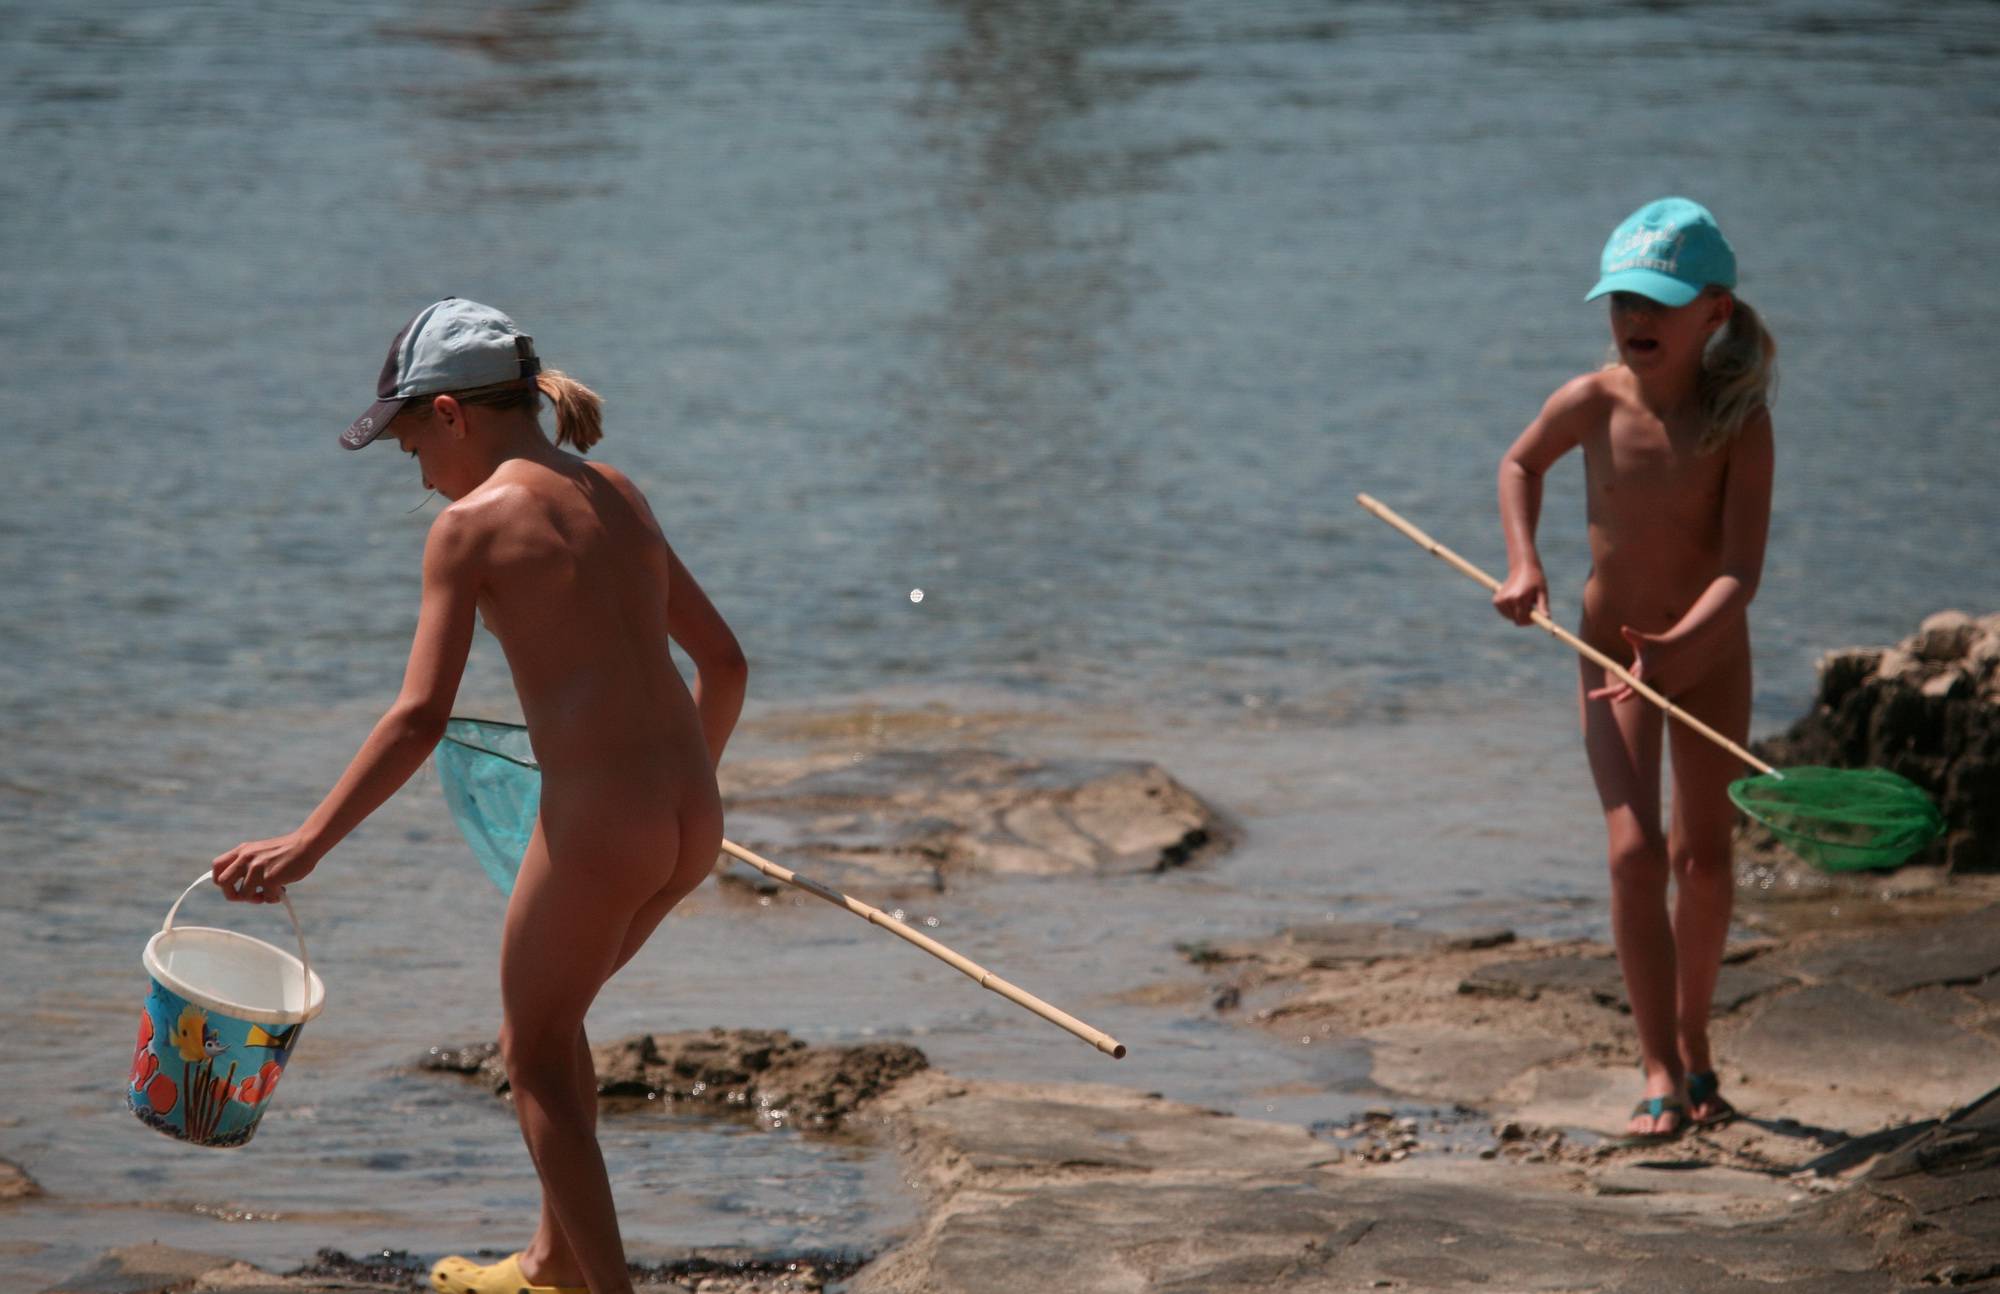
pixel 1651 284
pixel 372 423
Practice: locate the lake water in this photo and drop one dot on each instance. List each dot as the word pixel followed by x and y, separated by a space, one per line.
pixel 1087 319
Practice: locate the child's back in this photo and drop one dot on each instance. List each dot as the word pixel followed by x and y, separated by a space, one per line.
pixel 574 569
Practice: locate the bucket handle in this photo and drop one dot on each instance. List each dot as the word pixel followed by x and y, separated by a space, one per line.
pixel 305 983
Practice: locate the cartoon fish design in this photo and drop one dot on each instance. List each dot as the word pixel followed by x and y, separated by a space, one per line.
pixel 280 1041
pixel 192 1036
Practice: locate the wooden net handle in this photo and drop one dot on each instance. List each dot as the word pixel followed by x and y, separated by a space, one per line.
pixel 1438 550
pixel 1097 1038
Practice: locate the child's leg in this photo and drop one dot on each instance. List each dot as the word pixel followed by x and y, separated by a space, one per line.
pixel 1700 852
pixel 1623 742
pixel 550 1257
pixel 563 937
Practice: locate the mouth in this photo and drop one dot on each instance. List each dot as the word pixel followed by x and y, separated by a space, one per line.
pixel 1642 345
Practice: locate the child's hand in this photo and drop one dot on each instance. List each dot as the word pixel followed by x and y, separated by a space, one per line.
pixel 1656 662
pixel 1525 592
pixel 257 871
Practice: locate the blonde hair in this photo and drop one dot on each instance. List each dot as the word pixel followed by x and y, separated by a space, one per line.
pixel 1739 376
pixel 579 410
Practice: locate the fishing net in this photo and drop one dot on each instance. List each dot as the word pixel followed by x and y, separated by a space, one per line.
pixel 494 790
pixel 1841 819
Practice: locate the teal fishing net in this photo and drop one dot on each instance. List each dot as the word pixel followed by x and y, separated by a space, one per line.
pixel 494 790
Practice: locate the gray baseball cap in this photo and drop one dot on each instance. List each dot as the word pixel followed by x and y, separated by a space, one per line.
pixel 451 345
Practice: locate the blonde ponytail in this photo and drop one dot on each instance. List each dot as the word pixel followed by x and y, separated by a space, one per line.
pixel 579 410
pixel 1739 375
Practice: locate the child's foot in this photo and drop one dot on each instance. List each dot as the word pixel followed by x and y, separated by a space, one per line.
pixel 455 1275
pixel 1705 1102
pixel 1656 1119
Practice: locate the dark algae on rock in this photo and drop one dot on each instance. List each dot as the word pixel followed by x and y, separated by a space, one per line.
pixel 765 1072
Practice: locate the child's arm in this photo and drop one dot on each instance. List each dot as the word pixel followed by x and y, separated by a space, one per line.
pixel 721 673
pixel 257 871
pixel 1746 522
pixel 1559 428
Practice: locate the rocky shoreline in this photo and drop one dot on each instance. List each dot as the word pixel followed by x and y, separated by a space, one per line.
pixel 1857 1025
pixel 1867 1160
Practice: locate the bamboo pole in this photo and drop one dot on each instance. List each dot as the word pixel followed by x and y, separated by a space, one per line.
pixel 1438 550
pixel 986 979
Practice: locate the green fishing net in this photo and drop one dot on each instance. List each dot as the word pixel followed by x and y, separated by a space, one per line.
pixel 1841 819
pixel 494 790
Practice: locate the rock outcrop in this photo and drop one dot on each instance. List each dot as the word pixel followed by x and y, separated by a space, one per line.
pixel 1927 709
pixel 765 1072
pixel 15 1184
pixel 925 815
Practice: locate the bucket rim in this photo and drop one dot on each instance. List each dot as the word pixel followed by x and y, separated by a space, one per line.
pixel 315 986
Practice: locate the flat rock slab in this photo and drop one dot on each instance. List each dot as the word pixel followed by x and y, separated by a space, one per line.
pixel 1963 950
pixel 1599 979
pixel 1833 1034
pixel 998 1137
pixel 1156 1203
pixel 1343 943
pixel 148 1269
pixel 766 1072
pixel 1332 945
pixel 927 814
pixel 1469 1064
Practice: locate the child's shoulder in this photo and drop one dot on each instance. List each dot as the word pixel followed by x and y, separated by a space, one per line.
pixel 1588 395
pixel 609 473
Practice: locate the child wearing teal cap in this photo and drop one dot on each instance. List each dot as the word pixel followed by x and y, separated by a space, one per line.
pixel 1677 460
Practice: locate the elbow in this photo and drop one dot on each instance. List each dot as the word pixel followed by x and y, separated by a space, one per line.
pixel 420 724
pixel 732 668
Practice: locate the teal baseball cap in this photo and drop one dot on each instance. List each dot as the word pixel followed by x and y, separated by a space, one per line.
pixel 1666 251
pixel 449 345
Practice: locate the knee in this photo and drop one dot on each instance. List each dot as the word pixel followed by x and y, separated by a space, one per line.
pixel 1638 863
pixel 1695 866
pixel 537 1060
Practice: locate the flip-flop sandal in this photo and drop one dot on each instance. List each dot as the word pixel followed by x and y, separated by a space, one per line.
pixel 1653 1107
pixel 456 1275
pixel 1706 1089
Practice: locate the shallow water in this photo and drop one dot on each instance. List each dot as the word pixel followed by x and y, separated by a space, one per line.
pixel 1087 319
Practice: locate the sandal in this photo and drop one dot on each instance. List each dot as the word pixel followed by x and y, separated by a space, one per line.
pixel 1706 1089
pixel 1653 1107
pixel 456 1275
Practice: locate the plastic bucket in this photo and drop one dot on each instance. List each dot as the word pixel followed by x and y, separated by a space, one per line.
pixel 222 1019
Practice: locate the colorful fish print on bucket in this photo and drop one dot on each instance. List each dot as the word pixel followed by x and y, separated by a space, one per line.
pixel 201 1077
pixel 219 1024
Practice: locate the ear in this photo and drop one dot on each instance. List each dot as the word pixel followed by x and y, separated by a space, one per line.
pixel 1722 310
pixel 450 415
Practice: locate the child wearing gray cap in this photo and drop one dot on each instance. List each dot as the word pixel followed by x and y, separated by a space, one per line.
pixel 567 566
